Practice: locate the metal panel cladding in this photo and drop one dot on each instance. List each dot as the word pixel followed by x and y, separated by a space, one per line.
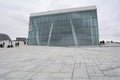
pixel 67 28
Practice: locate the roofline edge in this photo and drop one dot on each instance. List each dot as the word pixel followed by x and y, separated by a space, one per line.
pixel 63 11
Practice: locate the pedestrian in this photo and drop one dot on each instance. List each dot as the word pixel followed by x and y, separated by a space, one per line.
pixel 24 42
pixel 18 44
pixel 3 44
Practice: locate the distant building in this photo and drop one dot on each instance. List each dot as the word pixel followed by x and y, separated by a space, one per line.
pixel 21 39
pixel 4 37
pixel 67 27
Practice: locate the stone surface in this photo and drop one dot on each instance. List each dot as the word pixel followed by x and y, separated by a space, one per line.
pixel 60 63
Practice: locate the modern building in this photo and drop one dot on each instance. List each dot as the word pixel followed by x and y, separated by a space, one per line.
pixel 21 39
pixel 4 37
pixel 66 27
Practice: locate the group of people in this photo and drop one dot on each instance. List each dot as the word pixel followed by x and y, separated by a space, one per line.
pixel 102 42
pixel 17 44
pixel 2 45
pixel 10 45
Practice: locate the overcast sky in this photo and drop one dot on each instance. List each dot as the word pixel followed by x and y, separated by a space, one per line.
pixel 14 15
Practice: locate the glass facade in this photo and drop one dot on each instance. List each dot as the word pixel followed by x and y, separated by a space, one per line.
pixel 75 28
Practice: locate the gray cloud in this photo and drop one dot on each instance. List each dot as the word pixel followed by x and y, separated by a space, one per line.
pixel 14 15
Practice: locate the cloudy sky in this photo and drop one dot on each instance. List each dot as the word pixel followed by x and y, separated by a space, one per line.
pixel 14 15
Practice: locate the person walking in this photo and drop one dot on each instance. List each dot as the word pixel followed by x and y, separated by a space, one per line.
pixel 3 44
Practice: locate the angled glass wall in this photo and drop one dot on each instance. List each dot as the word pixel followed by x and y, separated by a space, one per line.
pixel 79 28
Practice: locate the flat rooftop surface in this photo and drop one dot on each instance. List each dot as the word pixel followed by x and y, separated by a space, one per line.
pixel 60 63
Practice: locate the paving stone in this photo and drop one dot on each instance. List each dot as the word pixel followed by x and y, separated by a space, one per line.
pixel 60 63
pixel 4 70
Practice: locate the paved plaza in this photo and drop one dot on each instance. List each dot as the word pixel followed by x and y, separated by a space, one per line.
pixel 60 63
